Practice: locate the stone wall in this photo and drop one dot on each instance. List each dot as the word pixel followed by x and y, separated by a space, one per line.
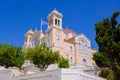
pixel 47 75
pixel 59 74
pixel 5 74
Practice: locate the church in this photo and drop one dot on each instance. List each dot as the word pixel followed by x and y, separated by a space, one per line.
pixel 76 47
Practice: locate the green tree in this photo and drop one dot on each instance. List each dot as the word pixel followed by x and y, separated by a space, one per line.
pixel 11 56
pixel 42 56
pixel 108 40
pixel 63 63
pixel 100 60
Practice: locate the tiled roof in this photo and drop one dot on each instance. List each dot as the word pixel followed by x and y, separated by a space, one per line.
pixel 69 31
pixel 72 40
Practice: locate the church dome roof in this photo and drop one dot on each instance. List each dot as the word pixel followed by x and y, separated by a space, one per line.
pixel 69 31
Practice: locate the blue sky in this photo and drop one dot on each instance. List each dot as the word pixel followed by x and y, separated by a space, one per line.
pixel 18 16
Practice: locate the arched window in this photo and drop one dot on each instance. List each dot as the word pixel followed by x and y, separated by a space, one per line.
pixel 71 49
pixel 71 59
pixel 55 21
pixel 84 62
pixel 58 22
pixel 82 46
pixel 58 42
pixel 48 43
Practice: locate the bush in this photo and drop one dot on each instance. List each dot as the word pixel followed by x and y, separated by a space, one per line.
pixel 63 63
pixel 106 73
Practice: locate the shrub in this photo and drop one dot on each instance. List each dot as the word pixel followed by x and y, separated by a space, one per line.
pixel 63 63
pixel 106 73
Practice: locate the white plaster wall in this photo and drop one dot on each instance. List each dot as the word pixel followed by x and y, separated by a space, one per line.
pixel 75 74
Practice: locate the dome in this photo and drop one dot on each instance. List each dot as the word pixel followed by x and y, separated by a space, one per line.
pixel 69 31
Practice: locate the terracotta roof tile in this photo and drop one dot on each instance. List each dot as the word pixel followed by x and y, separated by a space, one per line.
pixel 72 40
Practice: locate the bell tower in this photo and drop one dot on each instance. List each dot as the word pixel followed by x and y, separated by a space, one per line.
pixel 55 19
pixel 55 34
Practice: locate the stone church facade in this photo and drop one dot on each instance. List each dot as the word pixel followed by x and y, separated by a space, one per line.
pixel 69 44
